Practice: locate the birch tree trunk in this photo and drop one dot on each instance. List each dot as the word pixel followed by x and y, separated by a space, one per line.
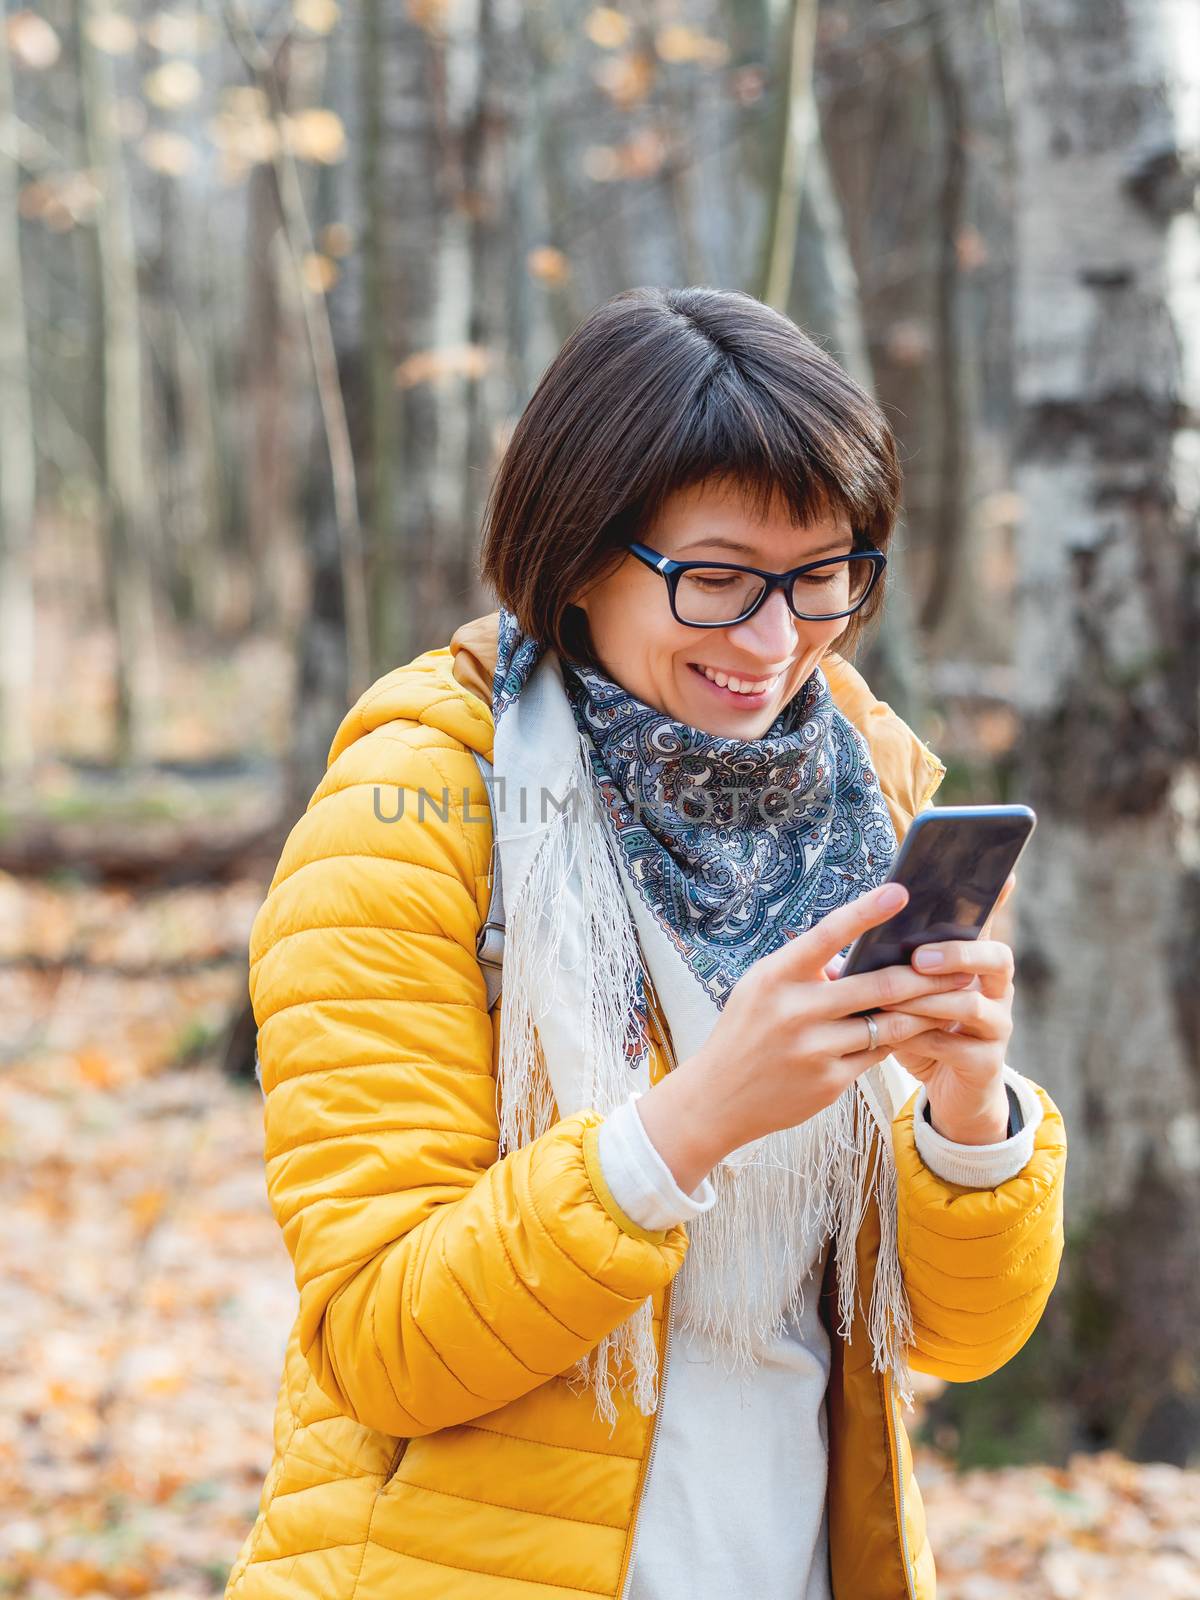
pixel 17 461
pixel 1107 668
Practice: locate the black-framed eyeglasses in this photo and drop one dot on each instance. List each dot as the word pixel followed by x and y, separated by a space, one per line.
pixel 716 594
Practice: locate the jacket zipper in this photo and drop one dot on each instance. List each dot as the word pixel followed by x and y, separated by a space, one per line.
pixel 627 1577
pixel 398 1455
pixel 662 1388
pixel 897 1465
pixel 891 1431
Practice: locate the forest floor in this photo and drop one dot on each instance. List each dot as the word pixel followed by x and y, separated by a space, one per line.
pixel 148 1296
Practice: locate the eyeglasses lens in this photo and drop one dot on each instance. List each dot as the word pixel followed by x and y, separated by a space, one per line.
pixel 717 595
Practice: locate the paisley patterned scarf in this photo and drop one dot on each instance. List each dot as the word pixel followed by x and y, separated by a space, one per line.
pixel 692 855
pixel 736 844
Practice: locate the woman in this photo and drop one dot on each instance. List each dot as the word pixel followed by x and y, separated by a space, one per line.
pixel 612 1291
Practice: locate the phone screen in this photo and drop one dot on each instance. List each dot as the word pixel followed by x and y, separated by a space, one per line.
pixel 954 862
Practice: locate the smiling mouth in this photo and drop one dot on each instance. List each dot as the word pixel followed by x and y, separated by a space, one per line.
pixel 750 689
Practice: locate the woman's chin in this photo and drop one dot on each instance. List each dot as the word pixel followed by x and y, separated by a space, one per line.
pixel 746 726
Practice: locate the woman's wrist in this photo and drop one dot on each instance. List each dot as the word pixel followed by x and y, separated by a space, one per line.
pixel 680 1126
pixel 985 1124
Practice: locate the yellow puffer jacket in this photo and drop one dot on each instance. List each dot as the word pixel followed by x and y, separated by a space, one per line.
pixel 425 1444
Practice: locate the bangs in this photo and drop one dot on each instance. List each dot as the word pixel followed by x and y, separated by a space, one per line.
pixel 794 443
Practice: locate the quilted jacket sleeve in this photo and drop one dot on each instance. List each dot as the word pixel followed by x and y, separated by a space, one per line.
pixel 979 1264
pixel 436 1281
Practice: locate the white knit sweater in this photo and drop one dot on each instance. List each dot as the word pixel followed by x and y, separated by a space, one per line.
pixel 735 1501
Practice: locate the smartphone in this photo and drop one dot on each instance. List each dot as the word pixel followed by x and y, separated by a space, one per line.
pixel 954 861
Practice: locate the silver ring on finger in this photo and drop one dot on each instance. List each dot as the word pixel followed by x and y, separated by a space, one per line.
pixel 873 1030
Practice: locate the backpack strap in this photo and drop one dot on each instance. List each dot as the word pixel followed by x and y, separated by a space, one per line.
pixel 490 943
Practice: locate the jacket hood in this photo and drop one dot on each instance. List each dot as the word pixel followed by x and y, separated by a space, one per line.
pixel 450 689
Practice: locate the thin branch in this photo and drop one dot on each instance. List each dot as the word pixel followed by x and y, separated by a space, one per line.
pixel 298 235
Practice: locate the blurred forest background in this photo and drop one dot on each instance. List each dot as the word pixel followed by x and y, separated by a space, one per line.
pixel 278 278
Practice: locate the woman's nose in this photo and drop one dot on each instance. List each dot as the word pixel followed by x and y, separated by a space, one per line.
pixel 770 634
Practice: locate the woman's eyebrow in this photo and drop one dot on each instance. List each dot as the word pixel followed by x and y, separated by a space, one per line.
pixel 710 540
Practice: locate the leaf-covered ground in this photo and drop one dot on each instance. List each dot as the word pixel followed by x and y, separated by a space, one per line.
pixel 147 1295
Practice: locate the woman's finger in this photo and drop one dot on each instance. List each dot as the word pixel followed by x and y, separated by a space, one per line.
pixel 849 1037
pixel 808 952
pixel 873 991
pixel 990 960
pixel 970 1010
pixel 958 1051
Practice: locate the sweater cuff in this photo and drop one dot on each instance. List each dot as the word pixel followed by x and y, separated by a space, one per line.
pixel 979 1166
pixel 638 1178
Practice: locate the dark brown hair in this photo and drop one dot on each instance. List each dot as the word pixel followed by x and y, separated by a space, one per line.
pixel 657 390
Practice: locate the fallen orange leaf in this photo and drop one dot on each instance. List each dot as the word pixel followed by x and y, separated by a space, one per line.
pixel 146 1208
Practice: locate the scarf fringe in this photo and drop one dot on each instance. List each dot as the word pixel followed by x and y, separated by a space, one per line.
pixel 526 1108
pixel 780 1200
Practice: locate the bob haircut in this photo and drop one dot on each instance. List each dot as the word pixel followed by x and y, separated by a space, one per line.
pixel 656 390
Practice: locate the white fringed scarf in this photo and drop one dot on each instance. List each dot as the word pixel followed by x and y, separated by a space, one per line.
pixel 578 932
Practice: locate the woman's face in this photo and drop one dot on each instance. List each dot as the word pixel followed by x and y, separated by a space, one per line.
pixel 639 643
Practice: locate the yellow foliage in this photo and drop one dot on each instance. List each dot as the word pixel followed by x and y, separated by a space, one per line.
pixel 627 79
pixel 173 85
pixel 428 366
pixel 179 33
pixel 316 134
pixel 606 27
pixel 316 16
pixel 429 14
pixel 169 153
pixel 320 273
pixel 111 32
pixel 243 132
pixel 548 265
pixel 678 42
pixel 32 41
pixel 336 239
pixel 641 156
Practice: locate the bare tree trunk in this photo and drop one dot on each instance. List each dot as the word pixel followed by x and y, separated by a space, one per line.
pixel 459 58
pixel 128 567
pixel 967 605
pixel 440 116
pixel 807 270
pixel 950 513
pixel 270 466
pixel 378 438
pixel 399 79
pixel 297 232
pixel 1108 664
pixel 18 474
pixel 795 132
pixel 914 109
pixel 827 295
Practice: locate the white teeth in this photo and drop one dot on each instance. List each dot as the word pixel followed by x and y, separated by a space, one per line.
pixel 738 685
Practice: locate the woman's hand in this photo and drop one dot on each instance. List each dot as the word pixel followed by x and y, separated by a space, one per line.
pixel 787 1043
pixel 961 1058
